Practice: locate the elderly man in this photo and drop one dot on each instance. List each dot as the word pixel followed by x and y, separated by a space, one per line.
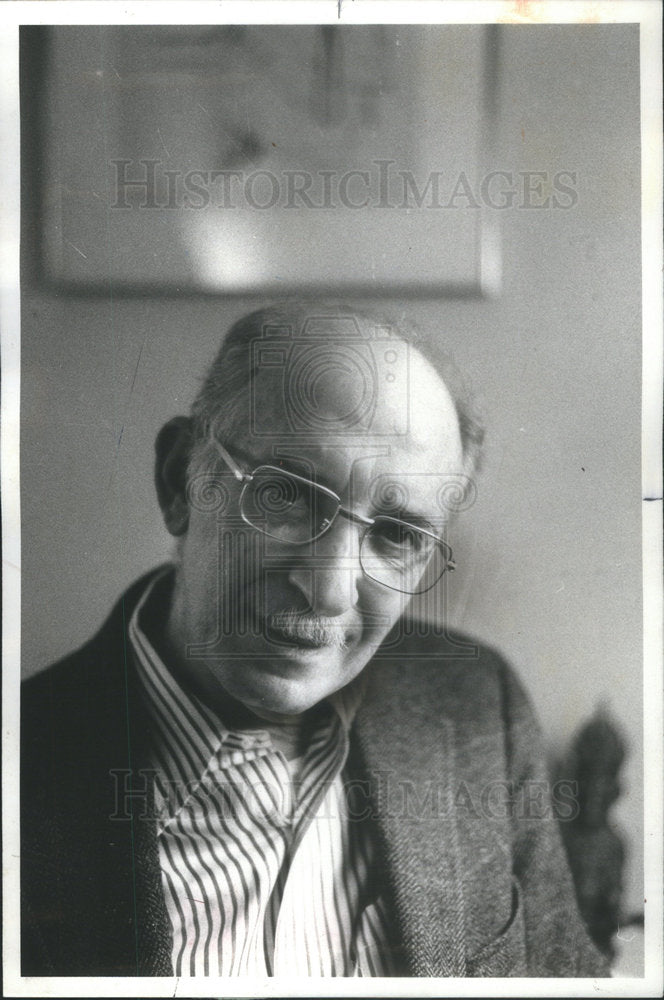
pixel 259 767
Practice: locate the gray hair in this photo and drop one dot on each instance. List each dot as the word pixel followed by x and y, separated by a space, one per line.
pixel 223 399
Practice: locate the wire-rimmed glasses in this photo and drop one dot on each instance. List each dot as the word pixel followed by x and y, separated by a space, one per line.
pixel 296 511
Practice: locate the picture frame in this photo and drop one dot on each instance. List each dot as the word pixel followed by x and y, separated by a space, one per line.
pixel 208 159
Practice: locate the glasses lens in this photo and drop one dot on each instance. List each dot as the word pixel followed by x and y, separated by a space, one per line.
pixel 286 507
pixel 397 554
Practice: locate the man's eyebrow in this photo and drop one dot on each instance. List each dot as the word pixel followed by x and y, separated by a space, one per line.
pixel 252 461
pixel 299 466
pixel 247 461
pixel 414 517
pixel 417 520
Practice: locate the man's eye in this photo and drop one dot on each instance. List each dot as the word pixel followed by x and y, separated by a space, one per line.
pixel 399 536
pixel 278 494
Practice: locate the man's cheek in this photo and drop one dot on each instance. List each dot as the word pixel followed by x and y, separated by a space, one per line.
pixel 252 583
pixel 240 589
pixel 382 610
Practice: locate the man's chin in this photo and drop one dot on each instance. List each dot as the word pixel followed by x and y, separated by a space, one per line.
pixel 280 697
pixel 287 685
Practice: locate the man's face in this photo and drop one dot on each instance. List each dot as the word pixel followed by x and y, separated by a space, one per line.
pixel 234 583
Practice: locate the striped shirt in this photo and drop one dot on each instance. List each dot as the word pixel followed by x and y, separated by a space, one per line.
pixel 264 870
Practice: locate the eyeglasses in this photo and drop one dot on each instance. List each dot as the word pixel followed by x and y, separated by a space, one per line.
pixel 296 511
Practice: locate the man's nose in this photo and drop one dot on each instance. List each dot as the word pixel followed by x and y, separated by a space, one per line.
pixel 328 571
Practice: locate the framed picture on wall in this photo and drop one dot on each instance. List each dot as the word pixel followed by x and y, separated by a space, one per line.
pixel 238 159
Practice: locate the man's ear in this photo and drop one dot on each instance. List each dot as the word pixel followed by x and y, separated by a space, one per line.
pixel 173 447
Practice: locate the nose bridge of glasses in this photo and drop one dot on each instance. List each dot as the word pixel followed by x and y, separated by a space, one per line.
pixel 354 518
pixel 339 538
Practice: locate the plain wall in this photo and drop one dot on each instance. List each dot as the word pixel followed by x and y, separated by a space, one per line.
pixel 549 555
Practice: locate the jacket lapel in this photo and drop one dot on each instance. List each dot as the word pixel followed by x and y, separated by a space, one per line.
pixel 146 906
pixel 408 751
pixel 153 930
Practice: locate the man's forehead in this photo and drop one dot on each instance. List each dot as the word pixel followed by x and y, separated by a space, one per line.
pixel 363 455
pixel 332 389
pixel 350 414
pixel 375 388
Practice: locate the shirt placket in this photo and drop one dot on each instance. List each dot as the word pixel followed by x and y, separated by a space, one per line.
pixel 302 932
pixel 255 786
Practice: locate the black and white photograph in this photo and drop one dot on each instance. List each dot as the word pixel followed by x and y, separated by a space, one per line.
pixel 332 547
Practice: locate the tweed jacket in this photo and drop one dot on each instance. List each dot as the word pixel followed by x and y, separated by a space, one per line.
pixel 444 750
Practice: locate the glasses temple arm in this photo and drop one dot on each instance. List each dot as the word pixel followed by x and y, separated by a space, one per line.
pixel 231 463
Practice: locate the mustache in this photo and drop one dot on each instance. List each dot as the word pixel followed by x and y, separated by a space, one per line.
pixel 309 627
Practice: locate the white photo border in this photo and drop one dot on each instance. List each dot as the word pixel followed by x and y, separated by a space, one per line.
pixel 648 13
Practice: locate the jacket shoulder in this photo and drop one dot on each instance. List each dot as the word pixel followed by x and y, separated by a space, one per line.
pixel 80 702
pixel 71 676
